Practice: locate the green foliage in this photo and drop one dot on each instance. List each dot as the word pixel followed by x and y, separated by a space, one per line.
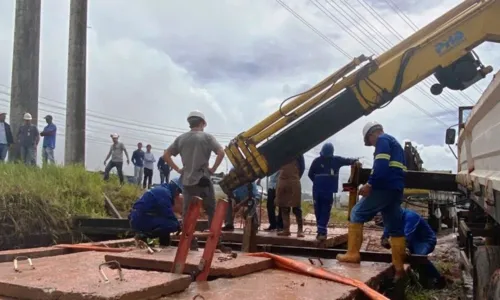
pixel 43 200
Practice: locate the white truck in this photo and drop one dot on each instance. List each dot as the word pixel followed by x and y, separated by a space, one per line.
pixel 478 177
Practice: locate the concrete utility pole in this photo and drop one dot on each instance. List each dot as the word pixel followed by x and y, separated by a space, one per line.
pixel 25 66
pixel 76 87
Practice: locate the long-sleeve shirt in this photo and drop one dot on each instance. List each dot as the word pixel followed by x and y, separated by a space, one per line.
pixel 273 180
pixel 324 173
pixel 138 158
pixel 49 136
pixel 156 201
pixel 416 230
pixel 149 160
pixel 389 167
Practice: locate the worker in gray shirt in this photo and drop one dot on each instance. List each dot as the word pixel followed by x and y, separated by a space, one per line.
pixel 28 138
pixel 195 148
pixel 116 153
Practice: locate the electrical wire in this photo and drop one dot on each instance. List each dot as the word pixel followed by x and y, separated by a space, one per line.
pixel 415 28
pixel 348 56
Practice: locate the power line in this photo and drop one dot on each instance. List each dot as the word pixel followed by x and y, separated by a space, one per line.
pixel 368 37
pixel 415 28
pixel 342 51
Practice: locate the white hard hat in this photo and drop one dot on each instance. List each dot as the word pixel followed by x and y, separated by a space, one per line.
pixel 196 114
pixel 114 135
pixel 27 116
pixel 370 126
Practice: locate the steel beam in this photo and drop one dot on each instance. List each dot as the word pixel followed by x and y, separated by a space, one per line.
pixel 315 253
pixel 423 180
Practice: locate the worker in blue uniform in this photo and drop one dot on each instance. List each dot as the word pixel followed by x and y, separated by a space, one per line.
pixel 241 194
pixel 152 216
pixel 382 193
pixel 420 240
pixel 324 173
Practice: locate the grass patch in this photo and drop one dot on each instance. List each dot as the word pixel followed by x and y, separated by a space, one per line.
pixel 336 215
pixel 43 200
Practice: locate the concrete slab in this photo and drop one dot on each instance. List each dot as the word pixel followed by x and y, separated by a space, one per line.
pixel 277 284
pixel 336 236
pixel 162 261
pixel 76 277
pixel 10 255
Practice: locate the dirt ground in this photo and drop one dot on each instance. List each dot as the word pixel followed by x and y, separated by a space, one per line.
pixel 445 255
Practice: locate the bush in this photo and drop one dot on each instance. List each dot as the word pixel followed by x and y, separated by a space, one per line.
pixel 44 200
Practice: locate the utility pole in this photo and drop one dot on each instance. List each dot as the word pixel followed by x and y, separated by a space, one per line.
pixel 25 66
pixel 76 105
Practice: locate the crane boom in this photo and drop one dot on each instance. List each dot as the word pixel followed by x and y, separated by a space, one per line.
pixel 443 48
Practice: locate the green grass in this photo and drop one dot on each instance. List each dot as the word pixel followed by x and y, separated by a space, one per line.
pixel 336 215
pixel 43 200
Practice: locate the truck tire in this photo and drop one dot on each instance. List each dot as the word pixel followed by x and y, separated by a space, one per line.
pixel 494 286
pixel 486 262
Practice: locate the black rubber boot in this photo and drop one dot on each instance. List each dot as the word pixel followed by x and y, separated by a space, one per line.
pixel 165 240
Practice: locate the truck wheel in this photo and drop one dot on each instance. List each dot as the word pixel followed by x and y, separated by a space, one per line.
pixel 486 262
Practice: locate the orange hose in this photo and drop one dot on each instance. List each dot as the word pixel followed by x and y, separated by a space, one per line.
pixel 92 248
pixel 306 269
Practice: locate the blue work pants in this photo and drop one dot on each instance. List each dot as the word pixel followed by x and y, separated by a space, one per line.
pixel 153 226
pixel 323 202
pixel 388 203
pixel 425 271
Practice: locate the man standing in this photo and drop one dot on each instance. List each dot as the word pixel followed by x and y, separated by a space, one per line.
pixel 164 169
pixel 116 153
pixel 6 138
pixel 49 141
pixel 28 138
pixel 195 147
pixel 138 161
pixel 271 206
pixel 289 195
pixel 324 173
pixel 149 161
pixel 383 193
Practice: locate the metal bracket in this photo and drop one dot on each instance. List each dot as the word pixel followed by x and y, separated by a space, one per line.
pixel 22 257
pixel 109 263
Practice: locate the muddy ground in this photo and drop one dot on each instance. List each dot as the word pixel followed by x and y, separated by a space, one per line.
pixel 445 257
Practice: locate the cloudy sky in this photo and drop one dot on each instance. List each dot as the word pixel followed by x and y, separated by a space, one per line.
pixel 150 62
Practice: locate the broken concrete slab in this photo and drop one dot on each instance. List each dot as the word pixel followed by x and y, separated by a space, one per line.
pixel 163 261
pixel 336 236
pixel 277 284
pixel 77 277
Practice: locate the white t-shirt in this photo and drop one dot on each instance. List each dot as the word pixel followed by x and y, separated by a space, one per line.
pixel 149 160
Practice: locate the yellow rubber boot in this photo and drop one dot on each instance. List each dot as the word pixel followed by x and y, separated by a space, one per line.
pixel 398 246
pixel 354 241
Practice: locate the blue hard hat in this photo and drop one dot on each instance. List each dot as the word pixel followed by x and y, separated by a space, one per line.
pixel 177 182
pixel 327 150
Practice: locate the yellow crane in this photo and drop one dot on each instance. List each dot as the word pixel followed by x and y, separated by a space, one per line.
pixel 443 48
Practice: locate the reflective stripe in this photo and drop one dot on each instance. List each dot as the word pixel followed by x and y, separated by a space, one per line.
pixel 396 164
pixel 382 156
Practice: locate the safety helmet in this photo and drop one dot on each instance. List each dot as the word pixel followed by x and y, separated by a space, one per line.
pixel 327 150
pixel 176 182
pixel 27 117
pixel 196 114
pixel 114 135
pixel 369 128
